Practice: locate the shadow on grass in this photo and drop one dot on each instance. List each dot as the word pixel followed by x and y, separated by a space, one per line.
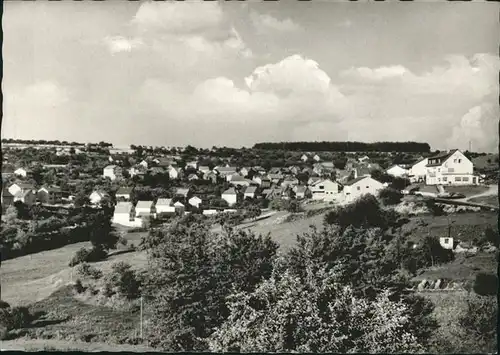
pixel 119 252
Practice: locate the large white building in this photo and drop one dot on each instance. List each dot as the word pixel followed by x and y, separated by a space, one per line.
pixel 450 168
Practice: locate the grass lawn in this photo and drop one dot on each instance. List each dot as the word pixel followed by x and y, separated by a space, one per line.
pixel 467 190
pixel 24 344
pixel 462 268
pixel 464 225
pixel 68 319
pixel 487 200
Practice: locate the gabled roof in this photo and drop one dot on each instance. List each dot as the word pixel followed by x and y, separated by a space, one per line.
pixel 144 204
pixel 51 188
pixel 250 189
pixel 237 178
pixel 124 191
pixel 164 202
pixel 225 169
pixel 22 193
pixel 230 191
pixel 442 157
pixel 123 207
pixel 24 185
pixel 182 191
pixel 301 189
pixel 196 198
pixel 178 204
pixel 110 167
pixel 353 181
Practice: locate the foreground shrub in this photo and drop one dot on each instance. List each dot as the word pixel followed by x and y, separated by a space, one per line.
pixel 314 314
pixel 87 270
pixel 124 280
pixel 14 318
pixel 390 196
pixel 486 284
pixel 88 255
pixel 78 286
pixel 480 323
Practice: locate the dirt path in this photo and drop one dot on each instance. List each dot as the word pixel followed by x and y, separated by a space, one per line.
pixel 492 191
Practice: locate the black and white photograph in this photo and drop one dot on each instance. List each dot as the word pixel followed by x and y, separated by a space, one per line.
pixel 250 176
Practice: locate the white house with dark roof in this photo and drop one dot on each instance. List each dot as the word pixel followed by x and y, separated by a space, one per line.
pixel 164 205
pixel 238 180
pixel 144 208
pixel 174 172
pixel 27 197
pixel 326 190
pixel 123 193
pixel 450 168
pixel 123 215
pixel 418 171
pixel 230 196
pixel 304 158
pixel 360 186
pixel 49 194
pixel 302 192
pixel 250 192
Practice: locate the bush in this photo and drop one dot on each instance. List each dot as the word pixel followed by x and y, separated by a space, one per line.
pixel 124 280
pixel 14 318
pixel 88 255
pixel 486 284
pixel 78 286
pixel 87 270
pixel 390 196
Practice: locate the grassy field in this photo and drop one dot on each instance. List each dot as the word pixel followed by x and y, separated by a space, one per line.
pixel 467 190
pixel 34 277
pixel 462 268
pixel 24 344
pixel 487 200
pixel 69 319
pixel 464 226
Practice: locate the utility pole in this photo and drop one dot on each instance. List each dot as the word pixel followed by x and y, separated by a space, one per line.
pixel 141 317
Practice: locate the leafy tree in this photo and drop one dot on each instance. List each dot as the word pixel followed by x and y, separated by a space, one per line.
pixel 479 323
pixel 390 196
pixel 364 212
pixel 316 313
pixel 486 284
pixel 192 273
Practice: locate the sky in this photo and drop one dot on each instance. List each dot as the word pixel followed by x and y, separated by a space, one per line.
pixel 238 73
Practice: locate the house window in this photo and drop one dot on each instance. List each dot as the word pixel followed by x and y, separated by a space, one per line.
pixel 359 188
pixel 454 160
pixel 458 178
pixel 446 240
pixel 322 187
pixel 445 179
pixel 459 160
pixel 368 187
pixel 439 179
pixel 465 179
pixel 439 170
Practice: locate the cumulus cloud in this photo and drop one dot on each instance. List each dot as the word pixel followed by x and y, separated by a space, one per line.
pixel 264 23
pixel 178 17
pixel 428 106
pixel 119 44
pixel 24 108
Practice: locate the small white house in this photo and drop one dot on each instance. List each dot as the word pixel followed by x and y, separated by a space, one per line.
pixel 418 171
pixel 361 186
pixel 446 243
pixel 326 190
pixel 96 197
pixel 164 205
pixel 302 192
pixel 20 187
pixel 113 172
pixel 250 192
pixel 317 157
pixel 123 214
pixel 144 208
pixel 21 172
pixel 124 193
pixel 304 158
pixel 397 171
pixel 230 196
pixel 195 201
pixel 173 172
pixel 144 164
pixel 364 159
